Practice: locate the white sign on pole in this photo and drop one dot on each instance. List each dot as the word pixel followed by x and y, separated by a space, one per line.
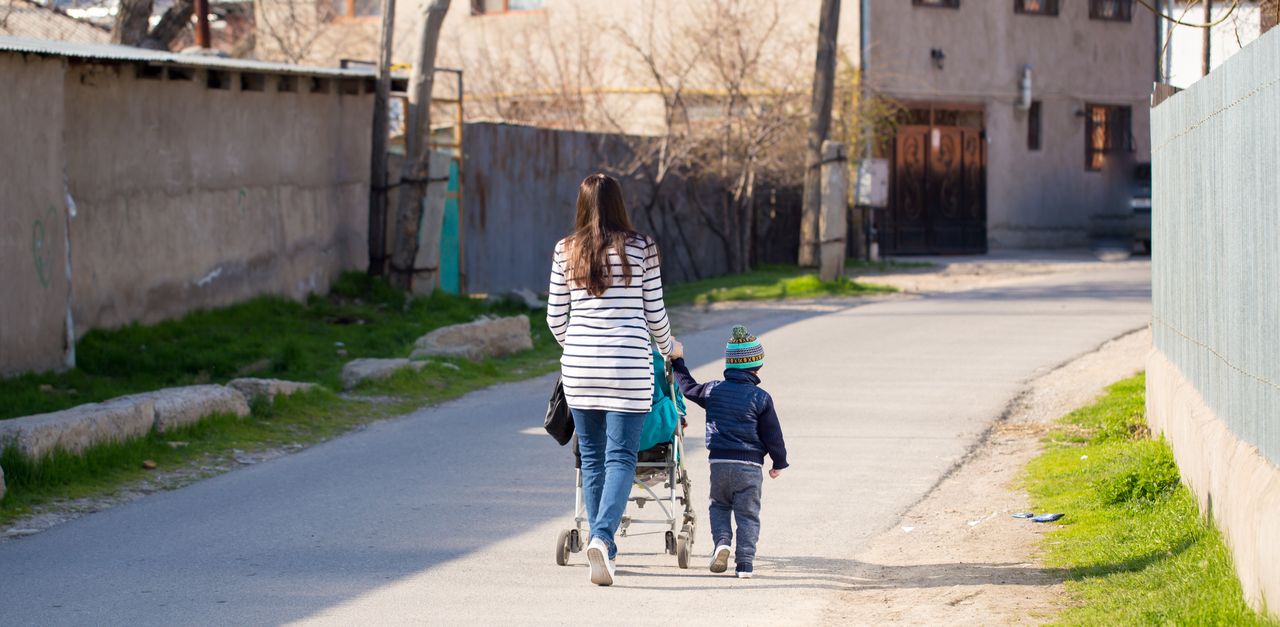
pixel 873 183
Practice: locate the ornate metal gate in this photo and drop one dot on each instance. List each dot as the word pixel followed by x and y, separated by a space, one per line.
pixel 939 195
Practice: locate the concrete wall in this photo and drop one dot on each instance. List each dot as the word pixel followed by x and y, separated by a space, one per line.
pixel 1034 198
pixel 33 216
pixel 185 197
pixel 1213 385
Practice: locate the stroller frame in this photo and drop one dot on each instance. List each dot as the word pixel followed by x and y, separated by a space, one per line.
pixel 655 482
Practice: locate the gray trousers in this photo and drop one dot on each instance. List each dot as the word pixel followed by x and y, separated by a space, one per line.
pixel 735 492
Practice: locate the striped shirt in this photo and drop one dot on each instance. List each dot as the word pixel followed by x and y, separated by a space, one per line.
pixel 607 362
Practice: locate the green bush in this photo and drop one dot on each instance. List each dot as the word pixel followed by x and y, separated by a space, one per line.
pixel 1145 474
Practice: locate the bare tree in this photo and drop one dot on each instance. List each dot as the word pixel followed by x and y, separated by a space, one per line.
pixel 709 106
pixel 732 114
pixel 416 171
pixel 293 27
pixel 133 18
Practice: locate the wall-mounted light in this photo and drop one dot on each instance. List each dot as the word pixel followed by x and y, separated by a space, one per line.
pixel 938 57
pixel 1024 89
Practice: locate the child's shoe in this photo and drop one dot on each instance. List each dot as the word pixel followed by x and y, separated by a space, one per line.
pixel 720 559
pixel 744 571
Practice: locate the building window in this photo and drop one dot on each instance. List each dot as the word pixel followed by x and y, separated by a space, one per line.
pixel 492 7
pixel 1107 130
pixel 355 8
pixel 1036 7
pixel 1033 126
pixel 1111 10
pixel 943 4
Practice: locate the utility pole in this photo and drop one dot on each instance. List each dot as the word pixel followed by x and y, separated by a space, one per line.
pixel 378 158
pixel 414 175
pixel 202 24
pixel 1208 19
pixel 824 74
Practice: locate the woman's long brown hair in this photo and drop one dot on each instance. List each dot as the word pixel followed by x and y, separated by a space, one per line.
pixel 602 225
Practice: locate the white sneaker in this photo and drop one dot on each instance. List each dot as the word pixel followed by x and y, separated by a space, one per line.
pixel 720 559
pixel 602 568
pixel 744 574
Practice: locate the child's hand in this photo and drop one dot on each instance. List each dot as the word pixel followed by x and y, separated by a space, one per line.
pixel 774 472
pixel 677 349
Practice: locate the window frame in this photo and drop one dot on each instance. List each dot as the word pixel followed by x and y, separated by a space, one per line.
pixel 1051 8
pixel 1125 16
pixel 477 9
pixel 1035 126
pixel 1117 133
pixel 936 4
pixel 350 14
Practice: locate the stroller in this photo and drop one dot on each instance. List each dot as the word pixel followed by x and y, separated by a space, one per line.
pixel 660 472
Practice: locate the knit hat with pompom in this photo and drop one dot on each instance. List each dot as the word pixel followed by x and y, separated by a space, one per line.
pixel 743 350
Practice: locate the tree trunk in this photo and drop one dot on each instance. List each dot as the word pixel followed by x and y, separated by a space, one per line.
pixel 417 162
pixel 378 165
pixel 824 73
pixel 130 26
pixel 1208 19
pixel 172 23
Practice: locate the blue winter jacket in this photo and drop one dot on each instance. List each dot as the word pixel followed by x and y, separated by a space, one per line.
pixel 741 422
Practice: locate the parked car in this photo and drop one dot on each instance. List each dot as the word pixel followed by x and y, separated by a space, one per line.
pixel 1140 202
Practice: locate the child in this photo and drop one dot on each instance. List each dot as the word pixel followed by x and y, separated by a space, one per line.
pixel 741 428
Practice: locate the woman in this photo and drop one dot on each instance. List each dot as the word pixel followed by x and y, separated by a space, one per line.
pixel 605 303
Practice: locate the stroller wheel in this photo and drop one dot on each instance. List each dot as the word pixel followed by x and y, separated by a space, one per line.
pixel 682 550
pixel 562 548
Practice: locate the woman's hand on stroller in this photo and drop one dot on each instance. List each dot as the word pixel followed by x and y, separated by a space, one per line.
pixel 677 349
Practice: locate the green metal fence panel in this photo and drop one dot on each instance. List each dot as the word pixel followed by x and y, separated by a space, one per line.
pixel 1216 239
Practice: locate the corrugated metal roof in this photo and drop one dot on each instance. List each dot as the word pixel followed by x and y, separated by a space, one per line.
pixel 126 54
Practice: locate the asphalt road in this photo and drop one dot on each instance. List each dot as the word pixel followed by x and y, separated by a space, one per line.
pixel 449 515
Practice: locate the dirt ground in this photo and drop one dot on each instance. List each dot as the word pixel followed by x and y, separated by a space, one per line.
pixel 957 556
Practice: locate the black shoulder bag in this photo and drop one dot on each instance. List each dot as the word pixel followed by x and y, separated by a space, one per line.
pixel 558 422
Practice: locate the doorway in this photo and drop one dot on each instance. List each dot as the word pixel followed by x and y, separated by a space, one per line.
pixel 939 195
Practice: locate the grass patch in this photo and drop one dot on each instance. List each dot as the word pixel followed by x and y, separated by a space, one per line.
pixel 1133 544
pixel 268 336
pixel 767 283
pixel 298 341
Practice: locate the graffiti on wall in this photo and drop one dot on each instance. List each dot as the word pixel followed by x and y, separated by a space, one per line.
pixel 41 250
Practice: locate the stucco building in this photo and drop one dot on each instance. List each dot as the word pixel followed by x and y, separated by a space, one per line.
pixel 1023 119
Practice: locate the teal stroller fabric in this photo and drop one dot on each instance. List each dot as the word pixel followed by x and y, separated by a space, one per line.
pixel 660 423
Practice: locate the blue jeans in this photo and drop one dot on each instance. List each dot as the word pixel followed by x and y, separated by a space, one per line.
pixel 608 442
pixel 735 490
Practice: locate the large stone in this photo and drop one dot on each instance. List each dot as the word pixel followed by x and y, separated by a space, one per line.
pixel 358 371
pixel 76 429
pixel 486 337
pixel 178 407
pixel 1 483
pixel 269 389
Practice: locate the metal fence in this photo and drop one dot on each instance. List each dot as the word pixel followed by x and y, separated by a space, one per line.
pixel 1216 239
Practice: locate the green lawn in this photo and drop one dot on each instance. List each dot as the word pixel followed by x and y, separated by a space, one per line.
pixel 1132 540
pixel 266 337
pixel 277 338
pixel 767 283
